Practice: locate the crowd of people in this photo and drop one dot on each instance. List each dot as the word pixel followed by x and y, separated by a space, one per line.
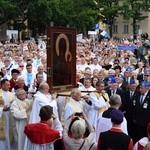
pixel 108 110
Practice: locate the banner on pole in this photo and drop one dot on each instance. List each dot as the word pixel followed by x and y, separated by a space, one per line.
pixel 122 47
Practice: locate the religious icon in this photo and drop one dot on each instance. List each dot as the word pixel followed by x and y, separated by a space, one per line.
pixel 62 57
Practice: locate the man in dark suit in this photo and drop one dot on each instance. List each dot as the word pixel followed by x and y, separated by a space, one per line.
pixel 147 75
pixel 129 108
pixel 144 76
pixel 142 109
pixel 128 75
pixel 121 82
pixel 114 89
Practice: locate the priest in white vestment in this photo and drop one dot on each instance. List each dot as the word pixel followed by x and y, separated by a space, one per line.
pixel 6 133
pixel 41 98
pixel 20 110
pixel 87 86
pixel 75 104
pixel 104 122
pixel 99 101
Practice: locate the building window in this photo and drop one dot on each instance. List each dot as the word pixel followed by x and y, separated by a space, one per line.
pixel 115 28
pixel 137 28
pixel 126 29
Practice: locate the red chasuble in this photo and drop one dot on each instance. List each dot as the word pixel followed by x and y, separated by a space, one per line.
pixel 41 133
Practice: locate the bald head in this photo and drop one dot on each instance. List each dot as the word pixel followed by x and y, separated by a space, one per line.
pixel 76 94
pixel 44 88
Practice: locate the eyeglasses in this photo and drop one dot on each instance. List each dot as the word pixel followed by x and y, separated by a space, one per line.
pixel 21 66
pixel 146 75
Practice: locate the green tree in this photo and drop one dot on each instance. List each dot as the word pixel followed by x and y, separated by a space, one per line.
pixel 81 14
pixel 39 14
pixel 8 11
pixel 109 10
pixel 75 13
pixel 85 15
pixel 133 9
pixel 13 12
pixel 61 12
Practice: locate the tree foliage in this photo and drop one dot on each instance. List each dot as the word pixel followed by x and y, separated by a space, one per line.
pixel 82 14
pixel 133 9
pixel 8 11
pixel 39 13
pixel 109 10
pixel 75 13
pixel 85 14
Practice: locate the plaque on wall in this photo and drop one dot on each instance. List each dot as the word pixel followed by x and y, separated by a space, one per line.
pixel 61 58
